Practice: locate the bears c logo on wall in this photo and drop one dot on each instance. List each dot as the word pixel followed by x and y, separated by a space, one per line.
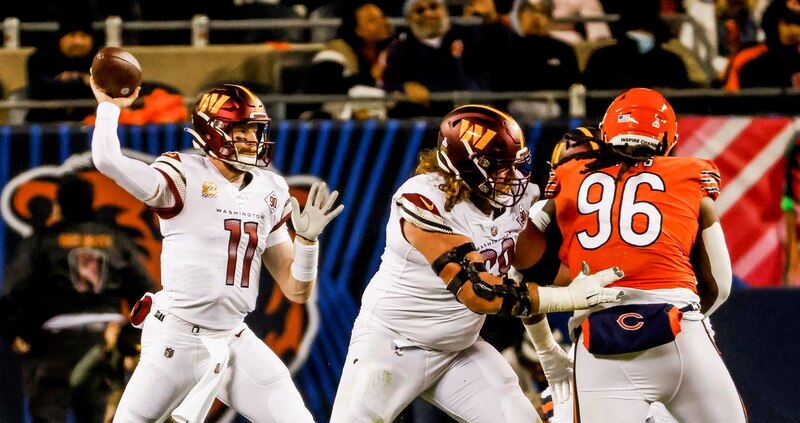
pixel 28 200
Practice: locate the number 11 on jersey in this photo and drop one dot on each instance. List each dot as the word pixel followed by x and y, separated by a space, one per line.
pixel 235 227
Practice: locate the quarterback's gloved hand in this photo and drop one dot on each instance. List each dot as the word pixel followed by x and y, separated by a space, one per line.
pixel 556 363
pixel 309 222
pixel 585 291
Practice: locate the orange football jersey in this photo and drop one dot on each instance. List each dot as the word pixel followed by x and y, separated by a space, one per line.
pixel 645 224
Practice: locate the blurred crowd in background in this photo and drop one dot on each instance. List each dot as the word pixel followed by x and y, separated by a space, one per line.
pixel 423 47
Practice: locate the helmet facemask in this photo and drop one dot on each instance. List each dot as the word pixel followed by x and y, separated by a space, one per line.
pixel 504 182
pixel 231 150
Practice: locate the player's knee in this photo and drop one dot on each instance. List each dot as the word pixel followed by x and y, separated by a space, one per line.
pixel 374 396
pixel 518 408
pixel 283 405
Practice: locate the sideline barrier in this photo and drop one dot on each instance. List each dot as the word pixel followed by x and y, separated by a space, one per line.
pixel 366 161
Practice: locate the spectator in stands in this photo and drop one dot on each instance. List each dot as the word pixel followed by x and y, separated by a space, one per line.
pixel 551 64
pixel 99 378
pixel 353 58
pixel 436 56
pixel 572 33
pixel 779 65
pixel 638 59
pixel 730 78
pixel 59 70
pixel 61 288
pixel 736 26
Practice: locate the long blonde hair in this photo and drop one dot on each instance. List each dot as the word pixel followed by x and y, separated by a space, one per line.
pixel 454 189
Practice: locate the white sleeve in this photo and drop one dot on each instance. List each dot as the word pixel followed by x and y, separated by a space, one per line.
pixel 136 177
pixel 720 261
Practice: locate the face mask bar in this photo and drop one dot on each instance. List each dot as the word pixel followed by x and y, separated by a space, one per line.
pixel 264 149
pixel 507 191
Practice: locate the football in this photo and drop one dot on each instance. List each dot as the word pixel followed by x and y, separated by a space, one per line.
pixel 116 72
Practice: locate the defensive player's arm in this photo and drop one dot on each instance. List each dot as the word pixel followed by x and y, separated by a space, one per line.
pixel 710 259
pixel 536 255
pixel 139 179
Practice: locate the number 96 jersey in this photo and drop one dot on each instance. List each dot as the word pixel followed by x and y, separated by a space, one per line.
pixel 646 223
pixel 214 238
pixel 405 295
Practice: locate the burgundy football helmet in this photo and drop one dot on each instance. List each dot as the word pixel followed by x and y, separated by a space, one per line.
pixel 485 149
pixel 213 117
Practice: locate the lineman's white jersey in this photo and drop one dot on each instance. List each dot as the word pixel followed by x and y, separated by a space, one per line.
pixel 405 295
pixel 214 238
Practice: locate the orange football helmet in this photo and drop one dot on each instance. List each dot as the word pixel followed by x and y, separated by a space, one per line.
pixel 641 116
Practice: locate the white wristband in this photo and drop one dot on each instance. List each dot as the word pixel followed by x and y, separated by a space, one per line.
pixel 553 299
pixel 304 266
pixel 541 335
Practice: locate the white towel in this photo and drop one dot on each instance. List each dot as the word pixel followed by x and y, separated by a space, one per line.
pixel 195 406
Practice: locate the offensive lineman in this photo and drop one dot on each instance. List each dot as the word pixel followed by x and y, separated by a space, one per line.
pixel 221 216
pixel 628 199
pixel 450 240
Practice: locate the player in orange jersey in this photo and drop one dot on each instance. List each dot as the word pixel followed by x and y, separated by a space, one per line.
pixel 630 204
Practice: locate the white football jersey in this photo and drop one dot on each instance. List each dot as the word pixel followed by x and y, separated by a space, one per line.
pixel 214 238
pixel 405 295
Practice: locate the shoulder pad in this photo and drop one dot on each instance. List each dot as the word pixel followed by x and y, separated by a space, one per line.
pixel 422 212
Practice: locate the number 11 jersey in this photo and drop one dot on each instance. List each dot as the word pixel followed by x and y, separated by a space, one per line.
pixel 214 237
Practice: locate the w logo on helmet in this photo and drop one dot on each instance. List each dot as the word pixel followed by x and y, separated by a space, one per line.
pixel 212 102
pixel 474 134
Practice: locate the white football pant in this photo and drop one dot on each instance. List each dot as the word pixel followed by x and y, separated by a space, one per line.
pixel 383 373
pixel 687 376
pixel 256 383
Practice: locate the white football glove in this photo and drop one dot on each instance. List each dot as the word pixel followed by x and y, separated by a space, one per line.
pixel 556 363
pixel 310 222
pixel 583 292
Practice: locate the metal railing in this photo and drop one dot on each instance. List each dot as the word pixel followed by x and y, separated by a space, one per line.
pixel 576 97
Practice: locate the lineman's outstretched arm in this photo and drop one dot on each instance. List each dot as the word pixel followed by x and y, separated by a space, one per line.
pixel 142 181
pixel 455 259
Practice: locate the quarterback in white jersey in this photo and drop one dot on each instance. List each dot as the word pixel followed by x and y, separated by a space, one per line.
pixel 451 238
pixel 221 217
